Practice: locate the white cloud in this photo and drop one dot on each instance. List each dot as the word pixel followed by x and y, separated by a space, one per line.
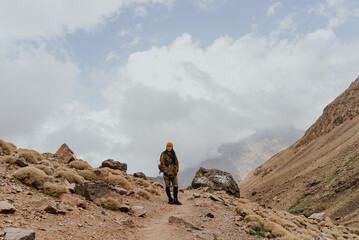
pixel 140 12
pixel 338 12
pixel 272 9
pixel 199 98
pixel 207 5
pixel 47 19
pixel 111 56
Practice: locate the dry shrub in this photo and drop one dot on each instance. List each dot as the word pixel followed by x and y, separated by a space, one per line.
pixel 65 169
pixel 119 180
pixel 46 162
pixel 253 218
pixel 243 200
pixel 47 155
pixel 80 165
pixel 70 176
pixel 244 209
pixel 54 189
pixel 5 148
pixel 30 176
pixel 11 146
pixel 46 169
pixel 153 191
pixel 88 175
pixel 27 157
pixel 9 159
pixel 111 203
pixel 286 224
pixel 27 152
pixel 144 194
pixel 141 182
pixel 275 229
pixel 55 164
pixel 113 171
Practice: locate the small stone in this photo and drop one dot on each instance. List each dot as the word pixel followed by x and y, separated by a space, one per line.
pixel 19 234
pixel 80 225
pixel 139 211
pixel 196 195
pixel 6 207
pixel 210 215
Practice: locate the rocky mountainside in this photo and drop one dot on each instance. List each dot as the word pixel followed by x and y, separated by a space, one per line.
pixel 238 158
pixel 44 197
pixel 320 172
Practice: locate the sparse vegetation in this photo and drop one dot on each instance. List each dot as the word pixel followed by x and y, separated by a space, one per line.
pixel 153 191
pixel 30 175
pixel 70 176
pixel 141 182
pixel 9 159
pixel 144 194
pixel 54 189
pixel 4 147
pixel 88 175
pixel 46 169
pixel 80 165
pixel 111 204
pixel 119 180
pixel 302 204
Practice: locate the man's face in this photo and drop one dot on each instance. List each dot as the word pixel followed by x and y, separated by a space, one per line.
pixel 169 148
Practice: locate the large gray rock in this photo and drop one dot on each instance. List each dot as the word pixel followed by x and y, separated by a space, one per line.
pixel 19 234
pixel 216 180
pixel 110 163
pixel 140 175
pixel 97 191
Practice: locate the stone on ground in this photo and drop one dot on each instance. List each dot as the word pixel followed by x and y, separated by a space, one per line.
pixel 19 234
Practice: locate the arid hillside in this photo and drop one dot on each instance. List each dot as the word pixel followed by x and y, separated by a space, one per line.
pixel 320 172
pixel 54 196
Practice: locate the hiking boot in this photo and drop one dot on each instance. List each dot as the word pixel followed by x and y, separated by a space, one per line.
pixel 170 201
pixel 177 202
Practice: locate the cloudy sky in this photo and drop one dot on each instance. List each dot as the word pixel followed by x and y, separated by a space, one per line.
pixel 120 78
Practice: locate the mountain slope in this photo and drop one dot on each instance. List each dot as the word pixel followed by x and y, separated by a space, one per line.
pixel 240 157
pixel 320 172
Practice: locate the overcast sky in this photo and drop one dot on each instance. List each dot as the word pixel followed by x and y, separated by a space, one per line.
pixel 120 78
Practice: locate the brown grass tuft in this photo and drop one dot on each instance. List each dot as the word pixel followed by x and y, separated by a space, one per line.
pixel 141 182
pixel 46 169
pixel 54 189
pixel 9 159
pixel 80 165
pixel 119 180
pixel 113 171
pixel 70 176
pixel 111 204
pixel 46 162
pixel 30 176
pixel 55 164
pixel 153 191
pixel 4 147
pixel 88 175
pixel 144 194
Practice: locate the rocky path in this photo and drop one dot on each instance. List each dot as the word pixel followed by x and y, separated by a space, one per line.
pixel 198 218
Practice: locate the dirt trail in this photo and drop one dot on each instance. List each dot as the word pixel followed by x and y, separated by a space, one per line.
pixel 158 228
pixel 193 210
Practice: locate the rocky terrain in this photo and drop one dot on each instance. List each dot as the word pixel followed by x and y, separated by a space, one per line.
pixel 52 196
pixel 319 173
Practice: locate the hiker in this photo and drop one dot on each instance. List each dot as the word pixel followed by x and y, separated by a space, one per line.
pixel 169 167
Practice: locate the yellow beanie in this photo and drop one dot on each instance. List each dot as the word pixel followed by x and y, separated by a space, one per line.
pixel 169 144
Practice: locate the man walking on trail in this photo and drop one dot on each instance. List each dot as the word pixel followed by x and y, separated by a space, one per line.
pixel 169 167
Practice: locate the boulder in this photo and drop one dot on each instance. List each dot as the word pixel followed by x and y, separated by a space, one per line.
pixel 140 175
pixel 97 191
pixel 182 222
pixel 158 184
pixel 216 180
pixel 320 217
pixel 65 154
pixel 110 163
pixel 73 201
pixel 19 234
pixel 21 163
pixel 6 207
pixel 54 208
pixel 139 211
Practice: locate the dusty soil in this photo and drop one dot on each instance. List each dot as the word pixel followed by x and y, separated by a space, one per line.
pixel 95 222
